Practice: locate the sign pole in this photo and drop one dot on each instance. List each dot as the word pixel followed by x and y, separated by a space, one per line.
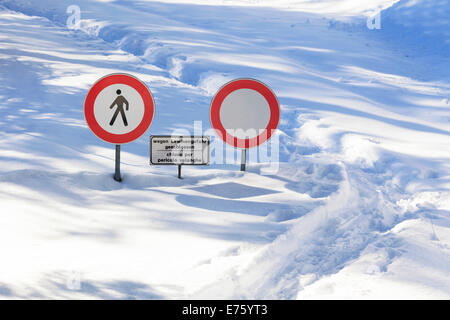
pixel 117 172
pixel 243 159
pixel 179 172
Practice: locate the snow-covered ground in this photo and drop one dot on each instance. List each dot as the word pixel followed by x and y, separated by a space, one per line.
pixel 359 207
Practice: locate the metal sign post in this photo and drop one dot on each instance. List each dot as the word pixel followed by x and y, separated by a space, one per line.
pixel 117 176
pixel 179 172
pixel 243 159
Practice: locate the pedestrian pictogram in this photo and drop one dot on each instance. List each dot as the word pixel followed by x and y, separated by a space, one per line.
pixel 120 102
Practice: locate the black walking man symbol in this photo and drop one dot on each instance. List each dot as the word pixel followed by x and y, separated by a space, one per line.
pixel 120 101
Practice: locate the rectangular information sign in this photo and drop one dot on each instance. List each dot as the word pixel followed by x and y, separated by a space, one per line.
pixel 179 150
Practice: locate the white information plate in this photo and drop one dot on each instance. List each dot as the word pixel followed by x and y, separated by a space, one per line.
pixel 179 150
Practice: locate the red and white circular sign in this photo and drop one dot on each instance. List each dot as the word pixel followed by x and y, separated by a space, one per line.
pixel 245 113
pixel 119 108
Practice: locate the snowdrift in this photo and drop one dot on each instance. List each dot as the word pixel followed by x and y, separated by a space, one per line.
pixel 423 24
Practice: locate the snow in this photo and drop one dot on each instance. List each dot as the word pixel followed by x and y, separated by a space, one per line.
pixel 358 206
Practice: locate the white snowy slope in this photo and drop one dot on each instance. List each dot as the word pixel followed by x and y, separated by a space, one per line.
pixel 358 209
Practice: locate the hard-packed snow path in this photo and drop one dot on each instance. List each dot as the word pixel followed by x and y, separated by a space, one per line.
pixel 360 202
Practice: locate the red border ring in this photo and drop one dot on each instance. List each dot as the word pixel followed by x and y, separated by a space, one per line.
pixel 252 84
pixel 140 87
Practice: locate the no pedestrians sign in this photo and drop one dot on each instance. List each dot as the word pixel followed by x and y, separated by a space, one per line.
pixel 119 108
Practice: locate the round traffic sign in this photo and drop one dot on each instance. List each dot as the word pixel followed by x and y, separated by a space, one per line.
pixel 119 108
pixel 245 113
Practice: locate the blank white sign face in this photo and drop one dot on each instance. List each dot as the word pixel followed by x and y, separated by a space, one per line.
pixel 245 113
pixel 104 114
